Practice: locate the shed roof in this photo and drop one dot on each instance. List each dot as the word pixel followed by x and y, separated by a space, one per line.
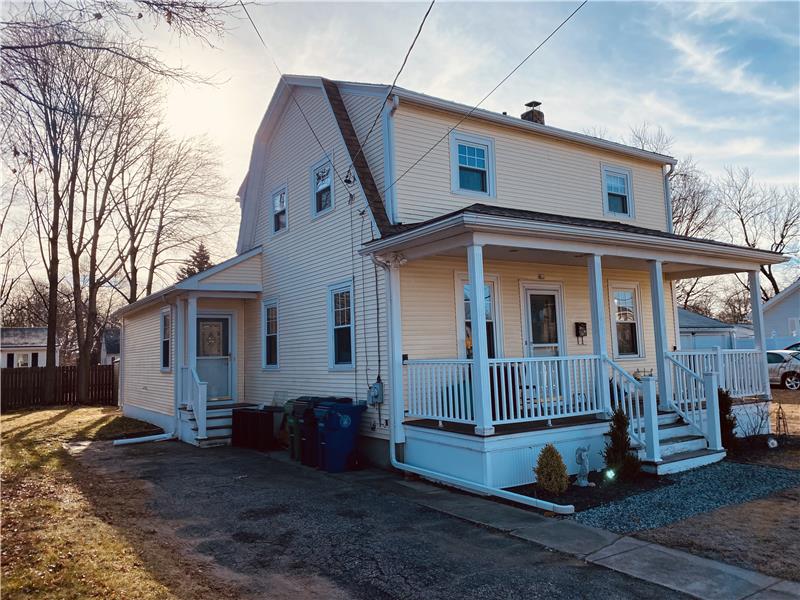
pixel 23 337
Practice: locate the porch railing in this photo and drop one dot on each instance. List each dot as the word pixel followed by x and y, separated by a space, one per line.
pixel 196 398
pixel 543 388
pixel 688 389
pixel 440 390
pixel 627 393
pixel 739 371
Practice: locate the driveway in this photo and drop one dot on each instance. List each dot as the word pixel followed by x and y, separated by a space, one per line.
pixel 277 529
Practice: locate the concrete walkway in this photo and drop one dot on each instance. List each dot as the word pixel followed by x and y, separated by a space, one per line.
pixel 674 569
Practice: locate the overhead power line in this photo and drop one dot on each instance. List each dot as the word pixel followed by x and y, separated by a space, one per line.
pixel 394 82
pixel 492 91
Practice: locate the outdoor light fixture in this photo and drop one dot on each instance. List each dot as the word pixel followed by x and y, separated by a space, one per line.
pixel 610 474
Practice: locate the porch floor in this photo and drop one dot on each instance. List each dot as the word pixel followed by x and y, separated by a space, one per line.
pixel 507 428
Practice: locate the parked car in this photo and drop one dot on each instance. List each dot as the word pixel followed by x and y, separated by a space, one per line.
pixel 795 347
pixel 784 368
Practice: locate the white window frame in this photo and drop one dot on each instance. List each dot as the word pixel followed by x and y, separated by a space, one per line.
pixel 472 139
pixel 285 190
pixel 462 279
pixel 637 296
pixel 265 305
pixel 607 169
pixel 313 181
pixel 165 312
pixel 332 289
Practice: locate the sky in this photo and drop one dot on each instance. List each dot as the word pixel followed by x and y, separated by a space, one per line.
pixel 722 79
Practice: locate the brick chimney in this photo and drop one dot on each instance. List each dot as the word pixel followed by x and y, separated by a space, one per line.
pixel 533 114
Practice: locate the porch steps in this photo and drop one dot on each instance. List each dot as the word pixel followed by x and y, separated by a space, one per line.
pixel 682 448
pixel 219 422
pixel 684 461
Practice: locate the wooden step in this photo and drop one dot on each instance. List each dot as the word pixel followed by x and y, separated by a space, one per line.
pixel 683 461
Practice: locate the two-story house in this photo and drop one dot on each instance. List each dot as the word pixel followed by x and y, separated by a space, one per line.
pixel 370 220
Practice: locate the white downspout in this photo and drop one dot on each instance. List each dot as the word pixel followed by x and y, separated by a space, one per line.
pixel 396 431
pixel 668 198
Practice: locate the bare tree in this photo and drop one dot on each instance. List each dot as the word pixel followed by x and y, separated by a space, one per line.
pixel 760 216
pixel 162 209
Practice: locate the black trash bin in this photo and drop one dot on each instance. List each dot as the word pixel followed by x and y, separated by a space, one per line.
pixel 307 425
pixel 254 427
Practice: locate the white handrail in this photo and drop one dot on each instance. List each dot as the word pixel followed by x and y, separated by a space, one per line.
pixel 739 371
pixel 688 391
pixel 197 400
pixel 627 394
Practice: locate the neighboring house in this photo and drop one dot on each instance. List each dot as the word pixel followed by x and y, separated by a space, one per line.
pixel 782 317
pixel 347 275
pixel 699 332
pixel 24 347
pixel 109 346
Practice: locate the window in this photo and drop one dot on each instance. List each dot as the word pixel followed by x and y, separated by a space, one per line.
pixel 617 193
pixel 279 210
pixel 774 359
pixel 488 293
pixel 472 164
pixel 34 359
pixel 22 360
pixel 10 360
pixel 322 186
pixel 270 332
pixel 166 334
pixel 340 318
pixel 625 317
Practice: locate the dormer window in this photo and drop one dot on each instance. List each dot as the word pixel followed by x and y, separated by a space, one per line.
pixel 322 186
pixel 618 197
pixel 472 164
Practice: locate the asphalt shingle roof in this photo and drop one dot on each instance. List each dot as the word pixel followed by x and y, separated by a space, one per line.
pixel 23 337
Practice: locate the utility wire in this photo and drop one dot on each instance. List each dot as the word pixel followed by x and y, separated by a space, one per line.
pixel 493 90
pixel 394 82
pixel 291 94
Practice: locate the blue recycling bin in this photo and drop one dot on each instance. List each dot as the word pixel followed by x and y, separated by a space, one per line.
pixel 338 426
pixel 305 408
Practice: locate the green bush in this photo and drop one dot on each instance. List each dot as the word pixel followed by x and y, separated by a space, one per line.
pixel 618 454
pixel 551 472
pixel 727 421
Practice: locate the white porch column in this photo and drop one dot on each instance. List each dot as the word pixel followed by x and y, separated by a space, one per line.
pixel 396 354
pixel 180 347
pixel 481 394
pixel 191 342
pixel 599 338
pixel 754 278
pixel 660 330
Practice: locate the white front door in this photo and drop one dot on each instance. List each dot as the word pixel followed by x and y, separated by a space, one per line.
pixel 543 331
pixel 214 359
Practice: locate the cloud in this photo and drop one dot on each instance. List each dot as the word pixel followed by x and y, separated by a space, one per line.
pixel 707 63
pixel 745 14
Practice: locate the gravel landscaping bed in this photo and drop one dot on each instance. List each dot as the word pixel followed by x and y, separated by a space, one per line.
pixel 692 492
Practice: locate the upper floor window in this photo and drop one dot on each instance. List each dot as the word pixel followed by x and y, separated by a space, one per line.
pixel 471 164
pixel 270 333
pixel 165 336
pixel 279 210
pixel 340 322
pixel 322 186
pixel 626 329
pixel 617 194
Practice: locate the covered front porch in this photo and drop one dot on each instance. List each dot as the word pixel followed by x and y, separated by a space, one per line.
pixel 575 320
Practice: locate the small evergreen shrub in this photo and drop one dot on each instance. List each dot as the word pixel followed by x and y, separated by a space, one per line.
pixel 618 454
pixel 551 472
pixel 727 421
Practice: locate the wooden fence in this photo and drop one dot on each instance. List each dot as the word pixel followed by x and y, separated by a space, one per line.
pixel 24 387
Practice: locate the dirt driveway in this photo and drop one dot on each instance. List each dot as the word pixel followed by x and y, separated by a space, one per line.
pixel 276 530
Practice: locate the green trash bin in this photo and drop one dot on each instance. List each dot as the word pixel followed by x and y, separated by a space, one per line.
pixel 292 428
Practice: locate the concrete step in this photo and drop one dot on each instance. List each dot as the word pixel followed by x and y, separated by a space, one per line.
pixel 684 461
pixel 683 444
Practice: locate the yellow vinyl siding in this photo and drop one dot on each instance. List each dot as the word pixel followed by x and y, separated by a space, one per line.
pixel 533 172
pixel 248 271
pixel 428 297
pixel 146 386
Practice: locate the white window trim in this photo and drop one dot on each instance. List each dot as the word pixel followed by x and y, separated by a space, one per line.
pixel 461 279
pixel 340 287
pixel 616 170
pixel 285 189
pixel 626 285
pixel 164 312
pixel 313 184
pixel 471 138
pixel 269 303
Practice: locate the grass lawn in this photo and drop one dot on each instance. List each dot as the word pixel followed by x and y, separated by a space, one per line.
pixel 67 533
pixel 763 534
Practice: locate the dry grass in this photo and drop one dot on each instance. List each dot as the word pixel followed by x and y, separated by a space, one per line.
pixel 68 533
pixel 764 534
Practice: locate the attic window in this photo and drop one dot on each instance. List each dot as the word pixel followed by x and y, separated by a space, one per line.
pixel 279 210
pixel 471 164
pixel 322 186
pixel 618 197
